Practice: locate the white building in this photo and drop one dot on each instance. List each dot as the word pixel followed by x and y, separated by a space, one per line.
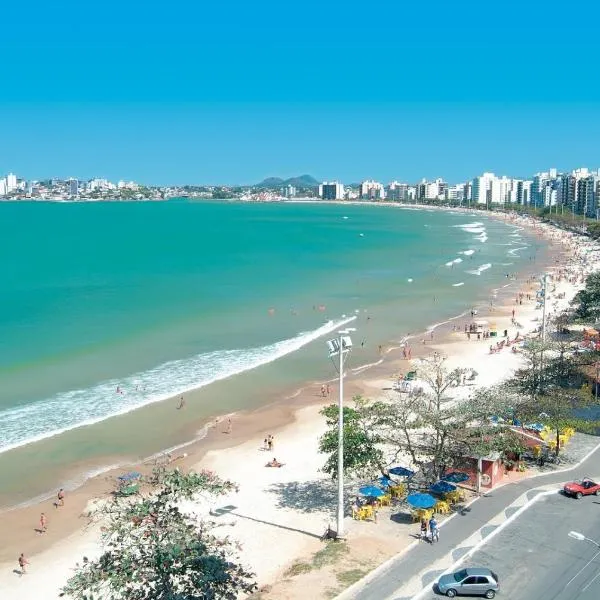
pixel 372 190
pixel 3 186
pixel 11 182
pixel 397 191
pixel 456 192
pixel 482 188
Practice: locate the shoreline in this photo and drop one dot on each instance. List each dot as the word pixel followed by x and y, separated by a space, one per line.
pixel 188 432
pixel 248 423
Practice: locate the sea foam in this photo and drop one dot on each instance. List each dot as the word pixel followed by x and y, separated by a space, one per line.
pixel 481 269
pixel 76 408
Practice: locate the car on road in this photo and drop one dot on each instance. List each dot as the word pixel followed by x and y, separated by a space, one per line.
pixel 472 581
pixel 583 487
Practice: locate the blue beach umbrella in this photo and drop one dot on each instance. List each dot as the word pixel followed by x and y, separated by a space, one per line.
pixel 456 477
pixel 131 476
pixel 371 490
pixel 421 500
pixel 385 481
pixel 401 472
pixel 442 487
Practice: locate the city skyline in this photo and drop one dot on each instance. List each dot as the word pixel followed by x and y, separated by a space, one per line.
pixel 233 94
pixel 577 190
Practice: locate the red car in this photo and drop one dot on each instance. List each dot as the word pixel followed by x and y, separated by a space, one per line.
pixel 584 487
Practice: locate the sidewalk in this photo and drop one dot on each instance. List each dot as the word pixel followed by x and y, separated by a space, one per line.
pixel 405 575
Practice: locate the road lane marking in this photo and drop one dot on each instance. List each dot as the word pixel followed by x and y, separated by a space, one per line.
pixel 428 588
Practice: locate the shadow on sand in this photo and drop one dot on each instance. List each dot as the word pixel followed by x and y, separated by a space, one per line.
pixel 307 497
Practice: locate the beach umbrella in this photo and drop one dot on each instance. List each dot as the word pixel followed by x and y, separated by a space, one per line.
pixel 456 477
pixel 371 490
pixel 385 481
pixel 421 500
pixel 442 487
pixel 129 476
pixel 534 427
pixel 401 472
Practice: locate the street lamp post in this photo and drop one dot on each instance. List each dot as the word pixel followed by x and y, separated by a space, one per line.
pixel 580 537
pixel 543 336
pixel 340 347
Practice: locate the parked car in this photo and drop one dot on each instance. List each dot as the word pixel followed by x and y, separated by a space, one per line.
pixel 584 487
pixel 473 581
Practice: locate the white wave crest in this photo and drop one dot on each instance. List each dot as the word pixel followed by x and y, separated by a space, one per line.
pixel 514 251
pixel 458 284
pixel 481 269
pixel 76 408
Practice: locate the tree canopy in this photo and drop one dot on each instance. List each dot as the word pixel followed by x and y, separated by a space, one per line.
pixel 587 300
pixel 152 550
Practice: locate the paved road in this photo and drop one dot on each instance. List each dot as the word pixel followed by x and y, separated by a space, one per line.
pixel 535 558
pixel 425 562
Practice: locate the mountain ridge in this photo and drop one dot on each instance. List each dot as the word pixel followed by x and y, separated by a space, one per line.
pixel 301 181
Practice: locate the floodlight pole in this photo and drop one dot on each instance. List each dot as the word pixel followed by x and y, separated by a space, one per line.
pixel 341 350
pixel 545 288
pixel 340 474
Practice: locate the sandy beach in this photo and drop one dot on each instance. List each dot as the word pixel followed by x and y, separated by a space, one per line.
pixel 278 515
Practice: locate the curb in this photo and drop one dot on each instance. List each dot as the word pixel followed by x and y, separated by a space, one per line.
pixel 349 592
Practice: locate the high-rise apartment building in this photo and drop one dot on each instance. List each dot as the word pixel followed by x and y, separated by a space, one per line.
pixel 397 192
pixel 372 190
pixel 484 189
pixel 73 187
pixel 331 190
pixel 11 182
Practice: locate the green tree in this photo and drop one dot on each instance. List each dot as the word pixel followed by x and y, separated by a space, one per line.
pixel 587 300
pixel 593 230
pixel 154 551
pixel 557 409
pixel 363 453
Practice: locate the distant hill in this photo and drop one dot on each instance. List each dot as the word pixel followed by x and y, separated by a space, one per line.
pixel 303 181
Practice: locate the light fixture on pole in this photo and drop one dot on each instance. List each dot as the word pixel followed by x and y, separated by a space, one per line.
pixel 580 537
pixel 339 348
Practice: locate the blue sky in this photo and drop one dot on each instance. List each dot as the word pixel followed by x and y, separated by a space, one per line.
pixel 233 92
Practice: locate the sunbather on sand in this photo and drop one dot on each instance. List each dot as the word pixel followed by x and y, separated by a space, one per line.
pixel 274 463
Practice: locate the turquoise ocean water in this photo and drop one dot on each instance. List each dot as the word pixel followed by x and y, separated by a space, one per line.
pixel 159 298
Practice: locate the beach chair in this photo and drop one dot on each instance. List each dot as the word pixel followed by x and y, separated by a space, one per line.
pixel 385 500
pixel 365 513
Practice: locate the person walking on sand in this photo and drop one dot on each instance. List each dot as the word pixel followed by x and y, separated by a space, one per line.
pixel 181 403
pixel 43 523
pixel 323 391
pixel 328 390
pixel 229 426
pixel 23 562
pixel 271 442
pixel 60 497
